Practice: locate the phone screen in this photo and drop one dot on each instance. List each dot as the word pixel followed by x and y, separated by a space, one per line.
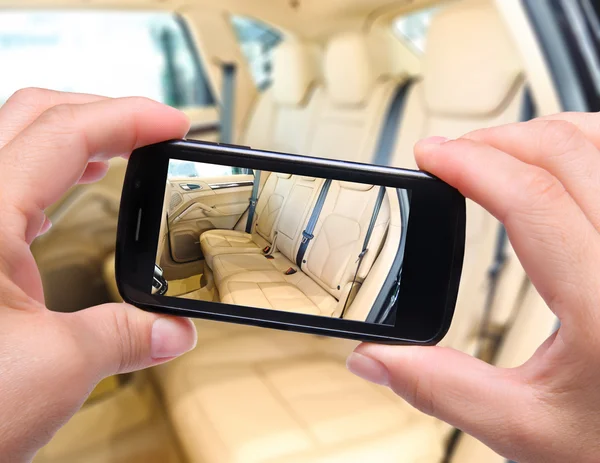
pixel 280 242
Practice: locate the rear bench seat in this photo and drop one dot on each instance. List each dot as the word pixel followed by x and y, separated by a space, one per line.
pixel 321 284
pixel 268 209
pixel 295 212
pixel 252 395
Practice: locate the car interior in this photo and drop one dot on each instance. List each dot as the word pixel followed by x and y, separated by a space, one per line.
pixel 280 265
pixel 314 78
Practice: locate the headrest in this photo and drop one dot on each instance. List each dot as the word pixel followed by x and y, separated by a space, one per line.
pixel 471 66
pixel 354 61
pixel 355 186
pixel 282 175
pixel 307 179
pixel 295 71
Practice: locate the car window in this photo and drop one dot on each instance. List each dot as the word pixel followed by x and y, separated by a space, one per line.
pixel 189 169
pixel 413 28
pixel 102 52
pixel 257 41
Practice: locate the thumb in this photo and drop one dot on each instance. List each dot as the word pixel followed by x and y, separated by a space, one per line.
pixel 484 401
pixel 119 338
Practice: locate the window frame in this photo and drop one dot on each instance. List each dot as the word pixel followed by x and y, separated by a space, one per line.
pixel 276 37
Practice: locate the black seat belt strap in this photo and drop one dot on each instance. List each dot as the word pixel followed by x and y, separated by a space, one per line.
pixel 227 102
pixel 365 247
pixel 307 234
pixel 253 201
pixel 388 135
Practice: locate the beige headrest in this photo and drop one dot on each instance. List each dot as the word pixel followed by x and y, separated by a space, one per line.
pixel 354 61
pixel 295 72
pixel 282 175
pixel 307 179
pixel 471 66
pixel 355 186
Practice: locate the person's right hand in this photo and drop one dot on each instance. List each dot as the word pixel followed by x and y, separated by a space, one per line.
pixel 542 180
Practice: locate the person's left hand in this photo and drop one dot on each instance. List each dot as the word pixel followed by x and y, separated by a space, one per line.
pixel 50 361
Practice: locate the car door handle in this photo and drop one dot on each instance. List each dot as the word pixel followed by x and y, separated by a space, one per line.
pixel 190 186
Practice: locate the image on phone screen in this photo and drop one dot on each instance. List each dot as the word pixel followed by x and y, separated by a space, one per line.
pixel 282 242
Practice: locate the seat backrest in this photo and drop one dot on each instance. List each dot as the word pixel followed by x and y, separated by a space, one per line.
pixel 297 208
pixel 270 203
pixel 472 78
pixel 332 255
pixel 359 84
pixel 284 115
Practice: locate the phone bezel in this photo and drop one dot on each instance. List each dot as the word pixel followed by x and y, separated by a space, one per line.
pixel 433 255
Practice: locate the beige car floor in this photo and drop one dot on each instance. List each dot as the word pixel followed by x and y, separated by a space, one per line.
pixel 185 286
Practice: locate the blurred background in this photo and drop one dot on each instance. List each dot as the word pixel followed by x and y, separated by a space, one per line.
pixel 313 77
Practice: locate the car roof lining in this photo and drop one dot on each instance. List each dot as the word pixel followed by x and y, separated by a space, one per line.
pixel 305 18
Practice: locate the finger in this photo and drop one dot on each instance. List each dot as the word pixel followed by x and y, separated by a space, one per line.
pixel 559 147
pixel 588 123
pixel 118 338
pixel 26 105
pixel 51 154
pixel 484 401
pixel 553 239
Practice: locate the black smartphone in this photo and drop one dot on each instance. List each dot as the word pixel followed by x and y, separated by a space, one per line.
pixel 281 241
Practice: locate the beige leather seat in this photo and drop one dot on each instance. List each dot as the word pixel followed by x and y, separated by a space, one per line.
pixel 359 84
pixel 285 115
pixel 472 78
pixel 268 209
pixel 294 215
pixel 322 284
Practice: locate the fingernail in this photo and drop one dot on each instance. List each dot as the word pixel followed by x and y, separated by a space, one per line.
pixel 435 140
pixel 172 337
pixel 368 369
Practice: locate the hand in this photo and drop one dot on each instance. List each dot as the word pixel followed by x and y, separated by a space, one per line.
pixel 542 180
pixel 50 362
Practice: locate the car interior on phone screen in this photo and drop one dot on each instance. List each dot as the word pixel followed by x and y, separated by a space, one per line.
pixel 277 241
pixel 315 78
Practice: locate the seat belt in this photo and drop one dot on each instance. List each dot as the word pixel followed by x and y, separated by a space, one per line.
pixel 253 201
pixel 307 234
pixel 365 247
pixel 388 135
pixel 528 112
pixel 228 71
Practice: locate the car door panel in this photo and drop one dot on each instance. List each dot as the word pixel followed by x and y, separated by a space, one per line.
pixel 202 205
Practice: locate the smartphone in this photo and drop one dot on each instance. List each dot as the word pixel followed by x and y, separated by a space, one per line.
pixel 305 244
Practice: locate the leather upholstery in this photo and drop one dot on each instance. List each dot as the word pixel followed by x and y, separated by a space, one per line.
pixel 465 101
pixel 296 209
pixel 354 62
pixel 295 72
pixel 284 116
pixel 329 263
pixel 471 48
pixel 268 209
pixel 358 89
